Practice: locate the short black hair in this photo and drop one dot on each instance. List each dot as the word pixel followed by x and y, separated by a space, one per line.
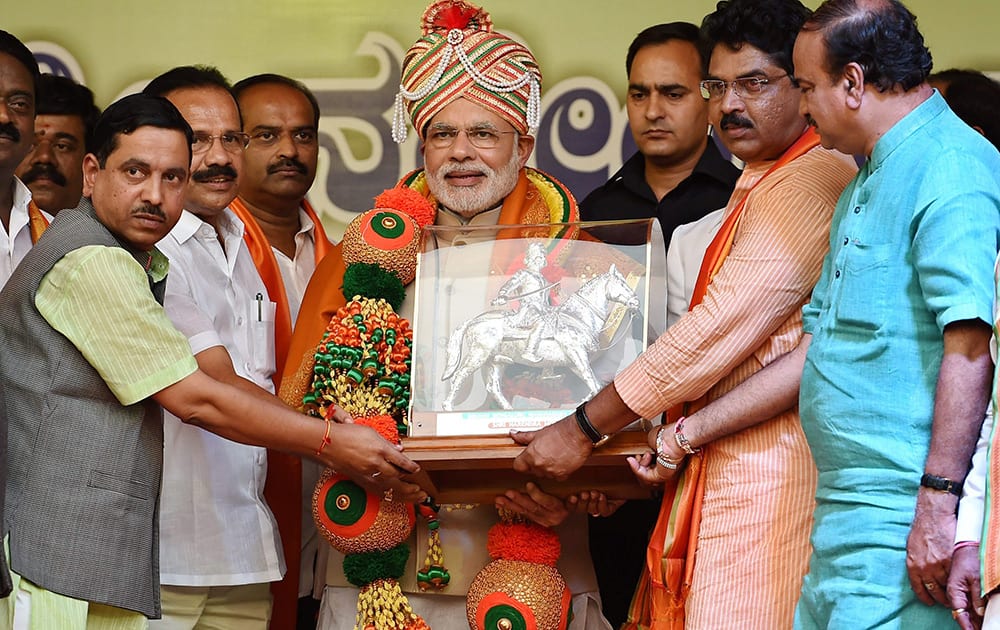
pixel 883 39
pixel 62 96
pixel 16 49
pixel 129 113
pixel 945 77
pixel 663 33
pixel 187 77
pixel 263 79
pixel 769 25
pixel 973 96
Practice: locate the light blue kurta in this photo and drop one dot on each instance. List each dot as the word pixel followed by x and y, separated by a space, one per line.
pixel 912 247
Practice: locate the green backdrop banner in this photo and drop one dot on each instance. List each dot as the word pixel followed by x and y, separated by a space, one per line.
pixel 348 52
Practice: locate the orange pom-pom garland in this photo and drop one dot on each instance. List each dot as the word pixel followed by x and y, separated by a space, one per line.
pixel 408 201
pixel 527 542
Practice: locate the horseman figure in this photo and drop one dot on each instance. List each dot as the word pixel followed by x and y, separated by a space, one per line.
pixel 563 335
pixel 530 288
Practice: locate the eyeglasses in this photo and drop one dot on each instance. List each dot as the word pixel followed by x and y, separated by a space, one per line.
pixel 232 141
pixel 442 137
pixel 746 87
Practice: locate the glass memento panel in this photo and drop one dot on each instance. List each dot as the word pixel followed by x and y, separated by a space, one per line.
pixel 514 326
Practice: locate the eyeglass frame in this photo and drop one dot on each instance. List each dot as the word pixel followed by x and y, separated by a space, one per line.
pixel 437 144
pixel 210 139
pixel 739 86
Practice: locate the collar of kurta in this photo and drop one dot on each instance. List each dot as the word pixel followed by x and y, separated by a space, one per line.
pixel 267 266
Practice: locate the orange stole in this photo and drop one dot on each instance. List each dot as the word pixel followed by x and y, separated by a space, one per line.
pixel 658 603
pixel 283 487
pixel 37 223
pixel 989 552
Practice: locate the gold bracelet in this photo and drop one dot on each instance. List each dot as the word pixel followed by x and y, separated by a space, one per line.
pixel 681 439
pixel 661 454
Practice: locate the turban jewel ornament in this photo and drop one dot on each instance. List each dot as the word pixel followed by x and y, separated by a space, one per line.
pixel 461 56
pixel 362 364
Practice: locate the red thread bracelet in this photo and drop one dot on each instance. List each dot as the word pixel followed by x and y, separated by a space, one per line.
pixel 326 439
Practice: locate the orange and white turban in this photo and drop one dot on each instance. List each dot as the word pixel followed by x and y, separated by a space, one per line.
pixel 459 56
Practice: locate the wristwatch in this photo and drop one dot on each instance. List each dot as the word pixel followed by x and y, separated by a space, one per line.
pixel 588 428
pixel 941 483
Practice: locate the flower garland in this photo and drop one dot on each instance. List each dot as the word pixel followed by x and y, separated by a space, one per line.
pixel 363 365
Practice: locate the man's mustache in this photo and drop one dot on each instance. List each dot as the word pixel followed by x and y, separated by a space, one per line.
pixel 150 209
pixel 43 169
pixel 10 131
pixel 734 120
pixel 286 163
pixel 213 171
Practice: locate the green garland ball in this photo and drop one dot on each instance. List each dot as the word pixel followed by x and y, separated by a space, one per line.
pixel 372 281
pixel 364 568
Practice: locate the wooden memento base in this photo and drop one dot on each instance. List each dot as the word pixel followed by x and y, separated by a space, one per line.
pixel 476 469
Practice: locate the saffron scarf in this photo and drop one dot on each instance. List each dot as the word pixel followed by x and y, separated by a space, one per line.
pixel 658 603
pixel 37 223
pixel 267 267
pixel 282 489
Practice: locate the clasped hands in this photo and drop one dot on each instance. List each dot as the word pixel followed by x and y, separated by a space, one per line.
pixel 647 469
pixel 560 449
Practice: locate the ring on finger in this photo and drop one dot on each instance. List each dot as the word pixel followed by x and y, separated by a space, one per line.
pixel 930 586
pixel 958 612
pixel 376 474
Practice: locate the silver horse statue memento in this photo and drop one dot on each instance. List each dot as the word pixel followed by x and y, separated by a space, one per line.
pixel 571 333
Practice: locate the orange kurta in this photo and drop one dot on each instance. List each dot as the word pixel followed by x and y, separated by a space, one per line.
pixel 756 512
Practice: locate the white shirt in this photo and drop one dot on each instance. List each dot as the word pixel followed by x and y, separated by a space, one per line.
pixel 215 528
pixel 15 244
pixel 972 505
pixel 684 256
pixel 296 272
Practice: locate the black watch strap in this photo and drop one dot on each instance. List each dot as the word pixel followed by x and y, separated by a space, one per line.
pixel 588 427
pixel 941 483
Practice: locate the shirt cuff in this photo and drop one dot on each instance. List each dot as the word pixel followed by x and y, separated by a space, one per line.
pixel 971 507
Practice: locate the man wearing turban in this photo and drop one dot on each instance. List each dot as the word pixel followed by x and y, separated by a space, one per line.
pixel 473 96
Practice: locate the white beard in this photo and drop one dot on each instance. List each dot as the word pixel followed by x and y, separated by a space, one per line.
pixel 468 201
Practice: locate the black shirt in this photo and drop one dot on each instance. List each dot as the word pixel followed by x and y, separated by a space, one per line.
pixel 627 195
